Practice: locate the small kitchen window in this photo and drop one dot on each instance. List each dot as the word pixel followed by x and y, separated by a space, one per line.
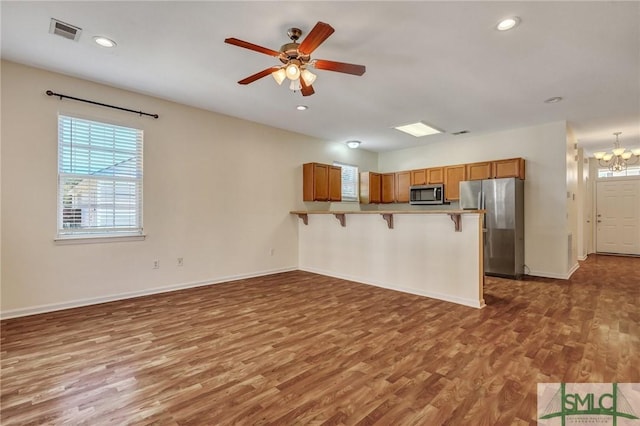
pixel 350 181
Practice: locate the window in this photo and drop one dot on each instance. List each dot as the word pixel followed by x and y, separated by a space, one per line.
pixel 99 179
pixel 604 173
pixel 349 181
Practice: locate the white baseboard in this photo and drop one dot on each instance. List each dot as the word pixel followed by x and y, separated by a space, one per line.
pixel 583 258
pixel 432 295
pixel 573 269
pixel 544 274
pixel 21 312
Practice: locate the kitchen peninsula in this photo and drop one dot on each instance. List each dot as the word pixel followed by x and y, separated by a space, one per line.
pixel 433 253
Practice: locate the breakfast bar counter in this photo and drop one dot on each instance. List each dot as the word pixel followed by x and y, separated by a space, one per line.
pixel 432 253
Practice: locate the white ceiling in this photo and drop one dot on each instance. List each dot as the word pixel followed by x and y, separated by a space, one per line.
pixel 440 62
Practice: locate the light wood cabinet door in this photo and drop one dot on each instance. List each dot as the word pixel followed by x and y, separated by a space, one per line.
pixel 453 175
pixel 435 175
pixel 419 177
pixel 388 187
pixel 403 181
pixel 321 182
pixel 479 171
pixel 512 167
pixel 375 188
pixel 335 183
pixel 370 188
pixel 315 182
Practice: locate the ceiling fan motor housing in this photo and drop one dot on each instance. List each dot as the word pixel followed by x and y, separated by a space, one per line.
pixel 290 51
pixel 294 33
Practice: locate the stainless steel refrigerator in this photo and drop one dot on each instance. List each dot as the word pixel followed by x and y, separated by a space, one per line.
pixel 503 199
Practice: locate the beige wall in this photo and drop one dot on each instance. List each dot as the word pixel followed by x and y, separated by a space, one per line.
pixel 573 198
pixel 545 149
pixel 582 203
pixel 217 192
pixel 422 254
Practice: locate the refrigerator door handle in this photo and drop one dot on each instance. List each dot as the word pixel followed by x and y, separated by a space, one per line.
pixel 479 200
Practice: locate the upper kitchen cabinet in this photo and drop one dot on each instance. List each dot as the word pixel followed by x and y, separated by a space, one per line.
pixel 321 182
pixel 388 187
pixel 453 175
pixel 435 175
pixel 479 171
pixel 403 182
pixel 419 177
pixel 335 183
pixel 512 167
pixel 370 188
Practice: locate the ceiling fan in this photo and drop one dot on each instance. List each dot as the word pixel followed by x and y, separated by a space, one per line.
pixel 296 58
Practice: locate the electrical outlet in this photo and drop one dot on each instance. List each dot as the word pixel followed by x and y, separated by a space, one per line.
pixel 180 261
pixel 156 264
pixel 272 251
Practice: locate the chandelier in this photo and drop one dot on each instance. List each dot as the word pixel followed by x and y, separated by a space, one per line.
pixel 618 159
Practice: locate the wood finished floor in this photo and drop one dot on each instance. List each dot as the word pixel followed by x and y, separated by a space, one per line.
pixel 299 348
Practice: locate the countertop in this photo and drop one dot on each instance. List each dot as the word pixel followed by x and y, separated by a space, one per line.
pixel 386 211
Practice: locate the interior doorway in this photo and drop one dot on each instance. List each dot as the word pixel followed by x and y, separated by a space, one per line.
pixel 618 216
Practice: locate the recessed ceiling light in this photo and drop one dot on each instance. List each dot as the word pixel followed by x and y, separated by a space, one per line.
pixel 353 144
pixel 104 42
pixel 302 107
pixel 553 100
pixel 418 129
pixel 508 23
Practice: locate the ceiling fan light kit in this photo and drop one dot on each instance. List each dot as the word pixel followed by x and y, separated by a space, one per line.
pixel 296 57
pixel 279 75
pixel 308 76
pixel 293 70
pixel 295 85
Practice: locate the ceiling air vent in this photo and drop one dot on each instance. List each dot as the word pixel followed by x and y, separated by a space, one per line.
pixel 461 132
pixel 64 30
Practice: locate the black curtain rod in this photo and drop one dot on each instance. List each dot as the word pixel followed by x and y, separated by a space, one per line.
pixel 50 93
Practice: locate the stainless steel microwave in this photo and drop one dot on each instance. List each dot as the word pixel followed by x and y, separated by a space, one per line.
pixel 426 194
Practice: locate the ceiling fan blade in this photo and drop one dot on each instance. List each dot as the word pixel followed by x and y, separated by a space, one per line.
pixel 251 46
pixel 354 69
pixel 258 75
pixel 306 90
pixel 318 34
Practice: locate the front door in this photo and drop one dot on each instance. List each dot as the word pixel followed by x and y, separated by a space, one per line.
pixel 618 216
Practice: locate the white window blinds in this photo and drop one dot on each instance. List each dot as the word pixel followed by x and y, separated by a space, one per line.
pixel 99 179
pixel 349 181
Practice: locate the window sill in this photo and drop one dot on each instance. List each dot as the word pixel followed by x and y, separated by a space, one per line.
pixel 97 239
